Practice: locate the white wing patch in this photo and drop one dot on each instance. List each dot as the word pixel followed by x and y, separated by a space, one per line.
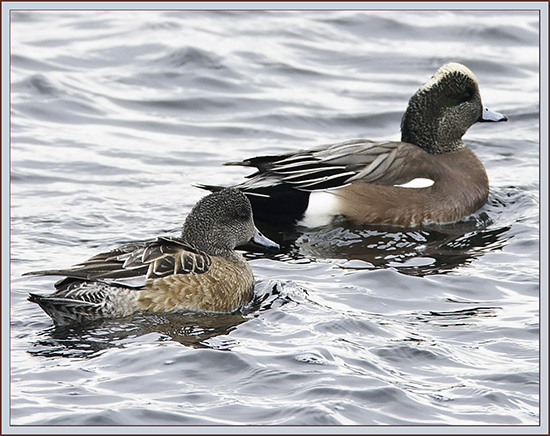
pixel 417 183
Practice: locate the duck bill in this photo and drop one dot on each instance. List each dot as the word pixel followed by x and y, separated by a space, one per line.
pixel 260 240
pixel 488 116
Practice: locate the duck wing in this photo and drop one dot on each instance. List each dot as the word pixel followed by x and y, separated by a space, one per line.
pixel 325 167
pixel 279 190
pixel 153 259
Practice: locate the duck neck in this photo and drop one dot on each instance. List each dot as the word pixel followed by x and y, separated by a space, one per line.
pixel 431 144
pixel 427 133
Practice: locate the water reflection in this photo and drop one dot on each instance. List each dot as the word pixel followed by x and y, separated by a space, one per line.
pixel 461 317
pixel 90 340
pixel 81 341
pixel 421 251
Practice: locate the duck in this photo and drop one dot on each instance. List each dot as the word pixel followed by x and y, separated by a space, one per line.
pixel 429 177
pixel 200 271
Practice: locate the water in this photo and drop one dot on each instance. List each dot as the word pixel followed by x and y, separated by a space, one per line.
pixel 116 115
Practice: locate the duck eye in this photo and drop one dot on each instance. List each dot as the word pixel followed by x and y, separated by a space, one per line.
pixel 457 98
pixel 242 213
pixel 466 96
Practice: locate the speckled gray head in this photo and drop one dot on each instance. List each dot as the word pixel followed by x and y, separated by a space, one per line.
pixel 222 221
pixel 443 109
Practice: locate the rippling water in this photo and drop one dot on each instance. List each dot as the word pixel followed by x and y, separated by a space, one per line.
pixel 116 115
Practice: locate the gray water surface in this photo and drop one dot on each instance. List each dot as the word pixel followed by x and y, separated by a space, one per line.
pixel 116 115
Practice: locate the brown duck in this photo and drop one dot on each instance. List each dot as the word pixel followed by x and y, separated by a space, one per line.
pixel 199 271
pixel 430 176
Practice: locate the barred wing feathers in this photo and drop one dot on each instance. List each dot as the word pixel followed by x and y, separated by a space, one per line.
pixel 159 258
pixel 325 167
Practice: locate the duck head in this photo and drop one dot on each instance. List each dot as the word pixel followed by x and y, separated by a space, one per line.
pixel 222 221
pixel 443 109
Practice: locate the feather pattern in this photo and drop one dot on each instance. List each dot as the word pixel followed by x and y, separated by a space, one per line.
pixel 79 301
pixel 153 259
pixel 324 167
